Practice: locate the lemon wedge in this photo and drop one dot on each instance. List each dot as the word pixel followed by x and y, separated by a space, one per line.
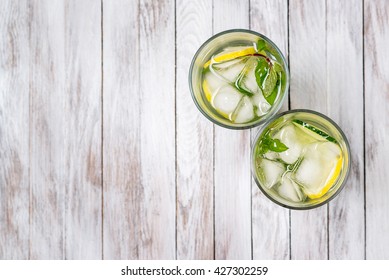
pixel 330 181
pixel 207 91
pixel 230 55
pixel 208 95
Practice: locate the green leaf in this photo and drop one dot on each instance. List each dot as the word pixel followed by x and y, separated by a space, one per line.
pixel 261 71
pixel 277 146
pixel 269 144
pixel 271 98
pixel 268 78
pixel 269 84
pixel 261 44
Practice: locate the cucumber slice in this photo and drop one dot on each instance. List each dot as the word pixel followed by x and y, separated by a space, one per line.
pixel 314 132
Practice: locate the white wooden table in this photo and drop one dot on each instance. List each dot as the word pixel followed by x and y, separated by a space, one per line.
pixel 103 153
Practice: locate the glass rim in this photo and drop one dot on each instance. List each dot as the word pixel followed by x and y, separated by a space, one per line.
pixel 260 131
pixel 273 110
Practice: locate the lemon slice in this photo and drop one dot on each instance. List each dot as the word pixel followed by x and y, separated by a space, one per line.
pixel 207 91
pixel 330 181
pixel 230 55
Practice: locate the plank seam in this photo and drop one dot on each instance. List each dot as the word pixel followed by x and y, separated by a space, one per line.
pixel 213 157
pixel 328 112
pixel 364 126
pixel 102 125
pixel 251 181
pixel 29 138
pixel 140 123
pixel 289 107
pixel 175 119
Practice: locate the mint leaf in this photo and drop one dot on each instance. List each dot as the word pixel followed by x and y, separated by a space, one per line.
pixel 268 78
pixel 276 145
pixel 269 144
pixel 261 44
pixel 273 95
pixel 261 71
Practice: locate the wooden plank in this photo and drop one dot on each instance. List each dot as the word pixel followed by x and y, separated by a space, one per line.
pixel 157 70
pixel 345 106
pixel 269 242
pixel 121 131
pixel 232 162
pixel 65 130
pixel 139 130
pixel 49 135
pixel 194 140
pixel 307 51
pixel 83 220
pixel 14 130
pixel 376 52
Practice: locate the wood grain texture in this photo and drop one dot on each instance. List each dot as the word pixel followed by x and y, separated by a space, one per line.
pixel 376 19
pixel 232 162
pixel 136 172
pixel 65 130
pixel 307 51
pixel 195 236
pixel 14 130
pixel 157 69
pixel 83 220
pixel 123 191
pixel 345 91
pixel 269 242
pixel 49 133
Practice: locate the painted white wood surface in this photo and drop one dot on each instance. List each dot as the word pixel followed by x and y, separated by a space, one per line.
pixel 104 155
pixel 49 136
pixel 270 242
pixel 307 52
pixel 83 211
pixel 346 225
pixel 195 189
pixel 376 30
pixel 232 161
pixel 14 130
pixel 122 188
pixel 157 90
pixel 139 165
pixel 65 130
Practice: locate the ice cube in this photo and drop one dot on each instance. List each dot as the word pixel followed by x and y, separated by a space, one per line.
pixel 287 135
pixel 229 70
pixel 271 155
pixel 211 85
pixel 260 102
pixel 213 82
pixel 270 172
pixel 226 100
pixel 289 190
pixel 317 166
pixel 244 112
pixel 247 80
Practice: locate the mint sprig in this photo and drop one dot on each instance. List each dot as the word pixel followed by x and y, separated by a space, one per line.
pixel 269 144
pixel 268 77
